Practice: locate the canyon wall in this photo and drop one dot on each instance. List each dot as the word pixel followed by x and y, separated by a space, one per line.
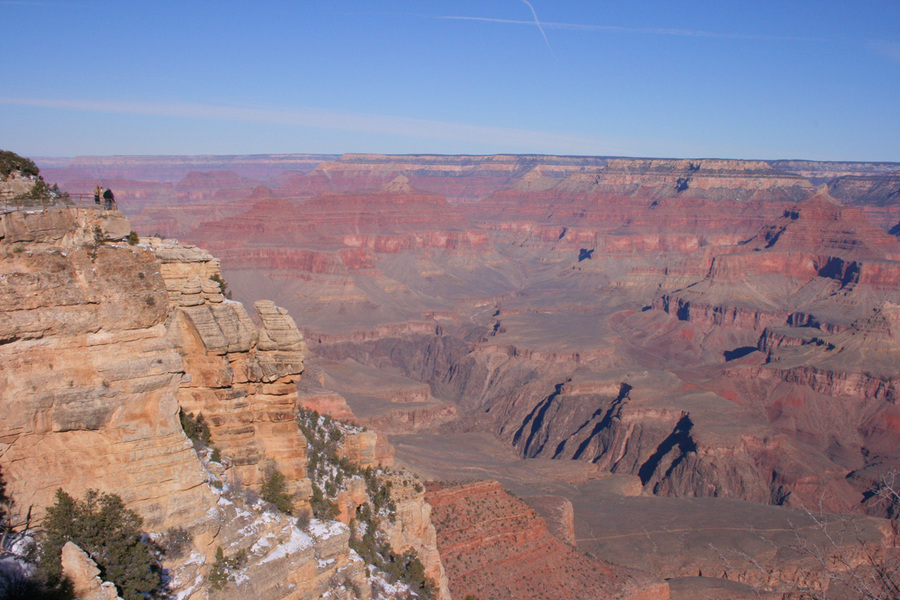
pixel 241 378
pixel 89 377
pixel 709 328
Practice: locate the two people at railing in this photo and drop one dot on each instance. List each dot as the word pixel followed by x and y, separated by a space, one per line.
pixel 109 201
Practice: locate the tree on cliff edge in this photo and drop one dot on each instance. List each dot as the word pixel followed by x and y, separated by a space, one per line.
pixel 10 163
pixel 110 534
pixel 14 166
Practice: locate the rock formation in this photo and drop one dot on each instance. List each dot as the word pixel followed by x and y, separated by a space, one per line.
pixel 495 546
pixel 86 365
pixel 241 378
pixel 414 529
pixel 100 341
pixel 83 573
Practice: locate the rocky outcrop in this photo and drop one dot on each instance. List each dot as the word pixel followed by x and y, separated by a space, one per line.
pixel 182 263
pixel 496 546
pixel 558 514
pixel 241 378
pixel 15 186
pixel 83 574
pixel 85 364
pixel 414 529
pixel 858 361
pixel 367 449
pixel 284 562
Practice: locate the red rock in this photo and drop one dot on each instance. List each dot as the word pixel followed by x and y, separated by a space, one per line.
pixel 495 546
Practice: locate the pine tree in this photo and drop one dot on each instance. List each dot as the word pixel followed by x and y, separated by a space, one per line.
pixel 273 490
pixel 110 534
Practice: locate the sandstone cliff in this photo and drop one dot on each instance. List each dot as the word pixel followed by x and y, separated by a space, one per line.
pixel 241 378
pixel 88 375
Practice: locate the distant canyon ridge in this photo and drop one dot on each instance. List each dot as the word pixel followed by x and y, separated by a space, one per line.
pixel 708 328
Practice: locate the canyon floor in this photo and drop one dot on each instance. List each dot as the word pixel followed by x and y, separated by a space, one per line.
pixel 685 355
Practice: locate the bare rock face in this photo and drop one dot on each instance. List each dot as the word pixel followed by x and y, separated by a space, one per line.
pixel 88 375
pixel 415 529
pixel 183 267
pixel 78 567
pixel 496 546
pixel 241 378
pixel 558 514
pixel 368 449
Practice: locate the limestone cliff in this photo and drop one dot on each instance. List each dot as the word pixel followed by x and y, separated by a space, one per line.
pixel 87 374
pixel 241 378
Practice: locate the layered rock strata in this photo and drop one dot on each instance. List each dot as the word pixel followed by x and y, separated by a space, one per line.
pixel 88 375
pixel 241 378
pixel 496 546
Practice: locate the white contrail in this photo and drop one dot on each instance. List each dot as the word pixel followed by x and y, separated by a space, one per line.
pixel 538 23
pixel 638 30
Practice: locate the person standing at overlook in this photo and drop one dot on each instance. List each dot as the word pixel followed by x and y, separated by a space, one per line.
pixel 109 201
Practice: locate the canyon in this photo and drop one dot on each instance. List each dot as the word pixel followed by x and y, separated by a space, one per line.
pixel 616 337
pixel 107 342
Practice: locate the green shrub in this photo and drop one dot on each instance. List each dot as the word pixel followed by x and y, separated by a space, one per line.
pixel 133 238
pixel 195 428
pixel 303 519
pixel 110 534
pixel 273 490
pixel 223 567
pixel 322 507
pixel 41 191
pixel 10 161
pixel 175 542
pixel 223 287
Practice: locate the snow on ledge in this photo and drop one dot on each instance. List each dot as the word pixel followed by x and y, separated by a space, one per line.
pixel 324 530
pixel 299 541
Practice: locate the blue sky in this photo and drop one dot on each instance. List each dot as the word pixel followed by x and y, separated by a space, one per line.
pixel 751 79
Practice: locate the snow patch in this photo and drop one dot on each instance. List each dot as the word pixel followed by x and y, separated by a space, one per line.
pixel 261 545
pixel 324 530
pixel 299 541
